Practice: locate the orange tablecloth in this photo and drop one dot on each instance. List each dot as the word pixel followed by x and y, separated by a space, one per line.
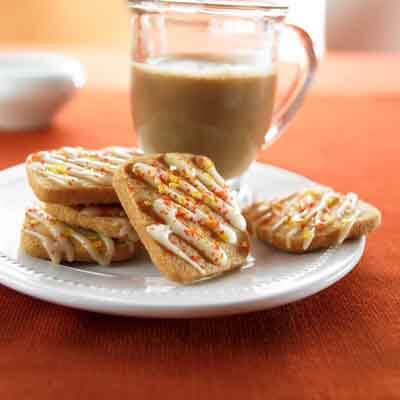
pixel 343 343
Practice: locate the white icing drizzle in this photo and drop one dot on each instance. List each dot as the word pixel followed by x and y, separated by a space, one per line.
pixel 345 231
pixel 260 213
pixel 304 217
pixel 306 213
pixel 188 207
pixel 307 241
pixel 74 166
pixel 58 243
pixel 167 212
pixel 61 181
pixel 210 179
pixel 183 187
pixel 102 259
pixel 214 188
pixel 222 230
pixel 161 233
pixel 78 169
pixel 285 216
pixel 154 175
pixel 50 246
pixel 205 164
pixel 349 203
pixel 56 229
pixel 119 152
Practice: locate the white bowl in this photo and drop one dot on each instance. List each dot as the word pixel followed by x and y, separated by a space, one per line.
pixel 34 86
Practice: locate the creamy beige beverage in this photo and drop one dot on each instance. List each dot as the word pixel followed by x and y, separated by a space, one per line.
pixel 217 107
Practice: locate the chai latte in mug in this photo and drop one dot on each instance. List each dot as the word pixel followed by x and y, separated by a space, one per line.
pixel 217 107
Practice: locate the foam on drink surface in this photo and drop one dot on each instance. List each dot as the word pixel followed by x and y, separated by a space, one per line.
pixel 205 67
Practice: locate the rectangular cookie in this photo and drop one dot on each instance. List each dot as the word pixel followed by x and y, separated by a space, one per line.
pixel 45 237
pixel 73 175
pixel 184 215
pixel 108 219
pixel 312 219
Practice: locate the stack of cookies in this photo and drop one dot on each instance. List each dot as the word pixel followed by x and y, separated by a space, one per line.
pixel 79 217
pixel 176 204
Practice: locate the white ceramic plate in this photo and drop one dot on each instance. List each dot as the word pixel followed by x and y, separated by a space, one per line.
pixel 137 289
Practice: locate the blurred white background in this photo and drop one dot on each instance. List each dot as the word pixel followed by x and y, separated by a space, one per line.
pixel 364 25
pixel 351 25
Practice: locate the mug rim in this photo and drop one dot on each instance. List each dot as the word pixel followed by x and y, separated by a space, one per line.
pixel 261 8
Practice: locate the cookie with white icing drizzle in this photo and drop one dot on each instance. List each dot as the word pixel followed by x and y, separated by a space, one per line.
pixel 110 220
pixel 312 219
pixel 45 237
pixel 73 175
pixel 184 215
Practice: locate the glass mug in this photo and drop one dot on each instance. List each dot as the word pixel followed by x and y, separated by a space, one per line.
pixel 204 78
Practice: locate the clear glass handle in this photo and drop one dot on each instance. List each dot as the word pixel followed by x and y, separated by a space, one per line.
pixel 301 83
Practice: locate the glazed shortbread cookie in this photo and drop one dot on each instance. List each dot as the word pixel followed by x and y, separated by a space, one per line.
pixel 110 220
pixel 73 175
pixel 312 219
pixel 184 215
pixel 45 237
